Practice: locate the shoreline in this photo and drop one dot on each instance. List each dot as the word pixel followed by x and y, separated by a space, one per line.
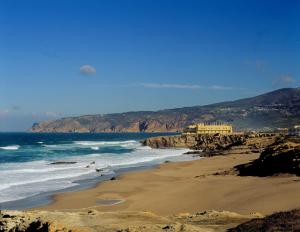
pixel 209 194
pixel 47 198
pixel 119 175
pixel 189 186
pixel 43 199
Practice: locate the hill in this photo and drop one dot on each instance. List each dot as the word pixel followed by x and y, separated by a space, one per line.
pixel 279 108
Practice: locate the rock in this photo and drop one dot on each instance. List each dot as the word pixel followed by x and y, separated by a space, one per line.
pixel 93 220
pixel 170 141
pixel 196 142
pixel 167 227
pixel 282 221
pixel 63 162
pixel 194 152
pixel 283 156
pixel 213 145
pixel 16 221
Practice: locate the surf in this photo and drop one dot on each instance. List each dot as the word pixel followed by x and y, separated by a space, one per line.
pixel 10 147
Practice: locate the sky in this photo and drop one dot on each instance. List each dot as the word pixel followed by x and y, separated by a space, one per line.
pixel 64 58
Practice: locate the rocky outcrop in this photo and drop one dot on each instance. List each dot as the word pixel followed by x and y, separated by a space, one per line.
pixel 282 221
pixel 283 156
pixel 197 142
pixel 15 221
pixel 93 220
pixel 177 141
pixel 63 162
pixel 280 108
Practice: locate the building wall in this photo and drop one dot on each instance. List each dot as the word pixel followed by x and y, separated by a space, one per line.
pixel 208 129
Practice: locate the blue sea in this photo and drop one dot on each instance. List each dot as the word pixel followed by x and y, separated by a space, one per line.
pixel 34 164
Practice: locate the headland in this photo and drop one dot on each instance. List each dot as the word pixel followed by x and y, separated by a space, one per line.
pixel 214 193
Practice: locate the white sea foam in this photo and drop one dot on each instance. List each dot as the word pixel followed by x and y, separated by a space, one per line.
pixel 45 169
pixel 50 146
pixel 13 193
pixel 11 147
pixel 45 178
pixel 112 143
pixel 21 180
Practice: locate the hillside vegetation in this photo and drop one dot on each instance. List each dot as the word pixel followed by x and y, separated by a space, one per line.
pixel 280 108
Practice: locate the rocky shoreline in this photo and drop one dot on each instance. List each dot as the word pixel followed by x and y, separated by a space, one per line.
pixel 278 154
pixel 273 149
pixel 197 142
pixel 283 156
pixel 212 143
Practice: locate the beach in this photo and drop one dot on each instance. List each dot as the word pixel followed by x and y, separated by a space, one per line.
pixel 190 186
pixel 149 116
pixel 206 192
pixel 36 166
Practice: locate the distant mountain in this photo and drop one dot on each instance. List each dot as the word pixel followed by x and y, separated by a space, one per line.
pixel 280 108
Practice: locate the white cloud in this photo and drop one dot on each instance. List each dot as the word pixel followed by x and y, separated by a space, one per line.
pixel 287 79
pixel 184 86
pixel 87 69
pixel 220 87
pixel 170 86
pixel 283 81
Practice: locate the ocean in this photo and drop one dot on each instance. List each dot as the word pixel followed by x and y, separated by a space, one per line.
pixel 33 166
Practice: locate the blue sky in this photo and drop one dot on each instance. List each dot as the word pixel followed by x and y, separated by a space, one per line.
pixel 62 58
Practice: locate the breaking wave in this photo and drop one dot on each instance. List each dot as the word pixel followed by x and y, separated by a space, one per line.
pixel 24 179
pixel 11 147
pixel 112 143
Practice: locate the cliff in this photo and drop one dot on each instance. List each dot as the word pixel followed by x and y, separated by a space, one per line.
pixel 200 142
pixel 280 108
pixel 213 145
pixel 283 156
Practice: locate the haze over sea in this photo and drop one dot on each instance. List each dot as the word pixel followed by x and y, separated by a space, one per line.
pixel 32 164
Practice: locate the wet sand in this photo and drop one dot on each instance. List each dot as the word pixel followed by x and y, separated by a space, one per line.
pixel 191 186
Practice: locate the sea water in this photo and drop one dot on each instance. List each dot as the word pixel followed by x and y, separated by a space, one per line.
pixel 32 164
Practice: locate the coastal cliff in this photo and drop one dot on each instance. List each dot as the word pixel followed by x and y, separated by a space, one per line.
pixel 209 178
pixel 196 142
pixel 280 108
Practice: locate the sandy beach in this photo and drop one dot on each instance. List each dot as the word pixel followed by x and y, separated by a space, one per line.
pixel 192 186
pixel 149 116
